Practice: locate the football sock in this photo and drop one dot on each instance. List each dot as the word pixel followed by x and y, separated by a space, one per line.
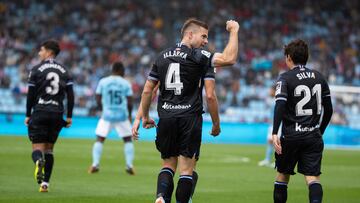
pixel 36 155
pixel 49 162
pixel 195 177
pixel 129 153
pixel 269 152
pixel 280 192
pixel 315 192
pixel 165 184
pixel 96 152
pixel 184 188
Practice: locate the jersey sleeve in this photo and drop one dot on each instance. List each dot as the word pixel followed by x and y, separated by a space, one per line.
pixel 203 57
pixel 281 92
pixel 99 88
pixel 154 73
pixel 69 79
pixel 325 89
pixel 32 78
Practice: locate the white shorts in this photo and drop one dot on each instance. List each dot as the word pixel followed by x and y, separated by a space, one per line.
pixel 122 128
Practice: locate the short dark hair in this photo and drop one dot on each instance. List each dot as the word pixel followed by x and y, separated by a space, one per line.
pixel 52 45
pixel 118 68
pixel 298 51
pixel 192 21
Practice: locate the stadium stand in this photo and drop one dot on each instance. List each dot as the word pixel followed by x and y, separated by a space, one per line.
pixel 96 33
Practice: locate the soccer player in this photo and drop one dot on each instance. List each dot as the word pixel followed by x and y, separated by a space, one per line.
pixel 114 97
pixel 48 83
pixel 269 146
pixel 303 105
pixel 181 72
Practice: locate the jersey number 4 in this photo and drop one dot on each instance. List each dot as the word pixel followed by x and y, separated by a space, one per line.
pixel 172 80
pixel 316 90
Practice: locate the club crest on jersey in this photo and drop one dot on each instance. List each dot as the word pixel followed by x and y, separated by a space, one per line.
pixel 206 53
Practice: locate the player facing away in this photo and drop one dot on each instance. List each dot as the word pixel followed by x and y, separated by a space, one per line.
pixel 303 105
pixel 181 72
pixel 48 83
pixel 114 97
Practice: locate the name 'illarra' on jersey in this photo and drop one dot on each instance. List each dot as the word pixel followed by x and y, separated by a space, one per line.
pixel 50 79
pixel 303 90
pixel 181 71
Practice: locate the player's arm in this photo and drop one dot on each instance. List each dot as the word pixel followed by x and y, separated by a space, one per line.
pixel 212 103
pixel 327 107
pixel 280 105
pixel 230 53
pixel 70 103
pixel 98 101
pixel 146 101
pixel 130 106
pixel 31 96
pixel 30 101
pixel 136 124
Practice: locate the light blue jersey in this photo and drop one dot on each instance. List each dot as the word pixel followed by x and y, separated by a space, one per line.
pixel 114 90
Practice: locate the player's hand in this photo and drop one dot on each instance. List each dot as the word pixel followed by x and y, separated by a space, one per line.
pixel 215 131
pixel 135 129
pixel 232 26
pixel 148 123
pixel 68 122
pixel 277 143
pixel 26 121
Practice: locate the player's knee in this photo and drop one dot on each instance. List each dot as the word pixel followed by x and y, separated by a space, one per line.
pixel 100 139
pixel 127 139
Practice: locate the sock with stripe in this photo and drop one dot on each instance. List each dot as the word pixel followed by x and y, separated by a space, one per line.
pixel 315 192
pixel 165 184
pixel 280 192
pixel 184 188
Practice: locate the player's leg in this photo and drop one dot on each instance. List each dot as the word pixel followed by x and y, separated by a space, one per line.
pixel 285 164
pixel 310 166
pixel 189 149
pixel 269 150
pixel 49 163
pixel 37 156
pixel 124 129
pixel 315 189
pixel 165 181
pixel 166 134
pixel 185 183
pixel 37 130
pixel 129 155
pixel 102 130
pixel 280 187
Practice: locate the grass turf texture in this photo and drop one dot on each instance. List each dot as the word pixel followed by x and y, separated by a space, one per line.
pixel 225 175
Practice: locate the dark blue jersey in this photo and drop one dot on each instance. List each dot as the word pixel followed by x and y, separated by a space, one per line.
pixel 303 90
pixel 181 72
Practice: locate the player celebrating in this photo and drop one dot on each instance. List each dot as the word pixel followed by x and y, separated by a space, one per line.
pixel 181 72
pixel 302 96
pixel 48 83
pixel 114 97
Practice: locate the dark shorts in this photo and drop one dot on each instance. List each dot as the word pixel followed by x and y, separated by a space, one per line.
pixel 306 153
pixel 179 136
pixel 44 127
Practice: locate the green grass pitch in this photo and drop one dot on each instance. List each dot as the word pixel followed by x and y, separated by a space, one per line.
pixel 227 173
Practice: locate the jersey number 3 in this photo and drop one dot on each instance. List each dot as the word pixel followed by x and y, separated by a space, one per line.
pixel 300 111
pixel 54 83
pixel 172 80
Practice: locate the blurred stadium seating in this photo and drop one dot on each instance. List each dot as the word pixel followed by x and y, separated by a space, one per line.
pixel 95 33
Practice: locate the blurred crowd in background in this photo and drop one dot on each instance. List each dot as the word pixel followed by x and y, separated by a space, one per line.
pixel 95 33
